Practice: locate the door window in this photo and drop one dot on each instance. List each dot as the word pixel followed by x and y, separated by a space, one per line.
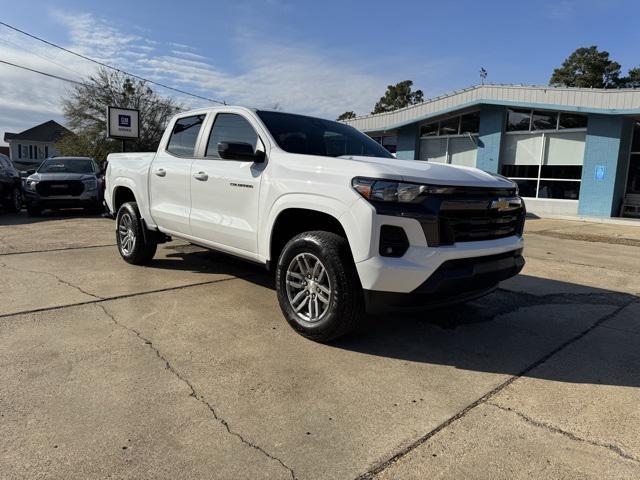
pixel 184 136
pixel 230 128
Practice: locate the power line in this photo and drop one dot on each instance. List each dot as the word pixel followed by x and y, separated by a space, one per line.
pixel 34 52
pixel 109 66
pixel 42 73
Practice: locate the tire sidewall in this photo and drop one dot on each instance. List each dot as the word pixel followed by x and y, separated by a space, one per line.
pixel 135 217
pixel 330 258
pixel 16 205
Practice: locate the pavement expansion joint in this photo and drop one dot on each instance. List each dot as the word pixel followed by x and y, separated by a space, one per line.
pixel 194 393
pixel 371 473
pixel 552 428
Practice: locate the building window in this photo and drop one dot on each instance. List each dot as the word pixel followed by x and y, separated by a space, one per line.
pixel 30 152
pixel 390 142
pixel 453 140
pixel 545 165
pixel 46 151
pixel 19 151
pixel 519 120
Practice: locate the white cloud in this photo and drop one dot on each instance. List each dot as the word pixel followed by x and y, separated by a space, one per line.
pixel 299 78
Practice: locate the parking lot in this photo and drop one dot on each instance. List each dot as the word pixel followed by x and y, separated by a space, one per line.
pixel 187 369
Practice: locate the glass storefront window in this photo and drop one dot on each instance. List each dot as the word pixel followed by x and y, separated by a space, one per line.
pixel 470 123
pixel 572 120
pixel 545 164
pixel 518 120
pixel 450 126
pixel 429 130
pixel 544 121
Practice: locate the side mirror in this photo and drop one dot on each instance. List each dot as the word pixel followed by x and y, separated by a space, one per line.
pixel 240 151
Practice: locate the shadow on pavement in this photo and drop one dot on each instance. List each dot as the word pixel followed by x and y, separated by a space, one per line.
pixel 499 333
pixel 22 218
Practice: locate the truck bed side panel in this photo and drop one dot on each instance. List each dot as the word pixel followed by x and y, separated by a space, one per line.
pixel 130 170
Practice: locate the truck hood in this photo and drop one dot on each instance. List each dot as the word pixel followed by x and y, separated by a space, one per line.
pixel 429 172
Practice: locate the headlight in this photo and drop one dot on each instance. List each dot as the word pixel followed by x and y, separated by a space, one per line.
pixel 31 185
pixel 90 183
pixel 392 191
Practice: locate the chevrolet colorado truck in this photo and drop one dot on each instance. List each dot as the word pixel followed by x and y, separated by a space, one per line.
pixel 347 227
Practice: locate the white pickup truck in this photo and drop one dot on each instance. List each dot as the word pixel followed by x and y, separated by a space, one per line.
pixel 346 226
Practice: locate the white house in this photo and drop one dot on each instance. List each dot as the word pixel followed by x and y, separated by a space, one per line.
pixel 29 148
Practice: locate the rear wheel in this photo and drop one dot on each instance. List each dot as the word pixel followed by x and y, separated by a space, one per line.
pixel 134 244
pixel 318 287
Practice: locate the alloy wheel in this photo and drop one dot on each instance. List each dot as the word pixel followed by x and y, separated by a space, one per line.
pixel 126 234
pixel 308 287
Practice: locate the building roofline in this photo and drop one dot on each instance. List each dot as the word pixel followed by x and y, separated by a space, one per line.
pixel 613 101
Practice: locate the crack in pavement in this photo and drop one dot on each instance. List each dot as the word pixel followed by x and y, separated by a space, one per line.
pixel 552 428
pixel 61 249
pixel 195 394
pixel 59 279
pixel 372 472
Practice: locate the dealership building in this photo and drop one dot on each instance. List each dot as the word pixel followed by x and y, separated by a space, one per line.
pixel 572 151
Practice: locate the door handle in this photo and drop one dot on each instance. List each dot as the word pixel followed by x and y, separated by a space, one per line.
pixel 161 172
pixel 202 176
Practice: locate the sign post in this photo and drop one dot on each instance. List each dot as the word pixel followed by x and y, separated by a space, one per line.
pixel 123 124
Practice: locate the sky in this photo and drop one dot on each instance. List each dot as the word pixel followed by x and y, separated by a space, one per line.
pixel 319 57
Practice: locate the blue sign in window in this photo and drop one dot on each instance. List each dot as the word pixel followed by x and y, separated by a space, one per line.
pixel 601 171
pixel 124 120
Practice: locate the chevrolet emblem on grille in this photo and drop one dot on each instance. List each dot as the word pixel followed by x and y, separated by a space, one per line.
pixel 502 204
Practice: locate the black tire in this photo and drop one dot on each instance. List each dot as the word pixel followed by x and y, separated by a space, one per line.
pixel 34 211
pixel 345 310
pixel 143 247
pixel 15 202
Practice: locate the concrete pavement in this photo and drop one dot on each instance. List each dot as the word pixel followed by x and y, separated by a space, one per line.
pixel 186 368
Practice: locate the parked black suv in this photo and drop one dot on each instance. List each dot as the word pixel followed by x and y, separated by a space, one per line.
pixel 10 185
pixel 64 182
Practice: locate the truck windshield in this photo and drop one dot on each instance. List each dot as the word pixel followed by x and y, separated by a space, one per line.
pixel 66 165
pixel 315 136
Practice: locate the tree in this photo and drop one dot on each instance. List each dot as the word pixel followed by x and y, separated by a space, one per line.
pixel 85 110
pixel 346 116
pixel 398 96
pixel 587 67
pixel 632 80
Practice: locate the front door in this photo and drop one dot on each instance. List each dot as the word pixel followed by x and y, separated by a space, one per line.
pixel 633 179
pixel 170 176
pixel 225 193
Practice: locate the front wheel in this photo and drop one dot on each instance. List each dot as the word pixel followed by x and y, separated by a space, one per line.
pixel 134 246
pixel 318 287
pixel 16 200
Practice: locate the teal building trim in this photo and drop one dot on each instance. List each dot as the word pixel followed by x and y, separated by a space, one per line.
pixel 492 121
pixel 606 157
pixel 408 142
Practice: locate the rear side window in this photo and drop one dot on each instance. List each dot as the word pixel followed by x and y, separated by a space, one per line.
pixel 230 128
pixel 184 135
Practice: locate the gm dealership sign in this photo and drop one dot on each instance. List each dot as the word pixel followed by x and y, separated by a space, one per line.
pixel 123 123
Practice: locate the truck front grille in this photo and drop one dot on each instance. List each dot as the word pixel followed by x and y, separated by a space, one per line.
pixel 471 219
pixel 56 188
pixel 475 226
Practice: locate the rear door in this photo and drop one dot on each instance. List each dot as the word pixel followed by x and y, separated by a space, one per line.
pixel 170 176
pixel 225 193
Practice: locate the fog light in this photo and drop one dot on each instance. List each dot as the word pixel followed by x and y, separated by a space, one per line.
pixel 393 241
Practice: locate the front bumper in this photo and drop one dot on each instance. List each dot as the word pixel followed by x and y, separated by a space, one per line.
pixel 33 199
pixel 454 281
